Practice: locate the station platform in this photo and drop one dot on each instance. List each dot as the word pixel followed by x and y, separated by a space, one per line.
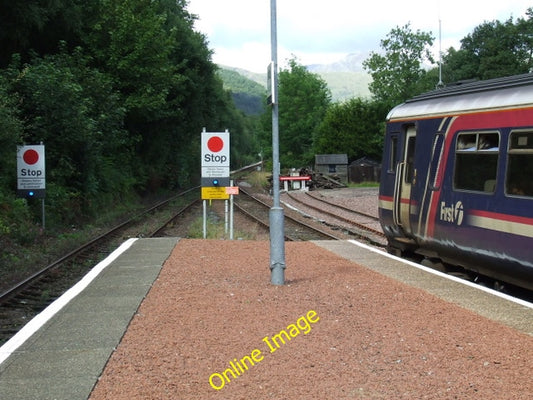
pixel 75 336
pixel 164 317
pixel 483 301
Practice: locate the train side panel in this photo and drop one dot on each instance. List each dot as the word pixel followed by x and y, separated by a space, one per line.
pixel 463 194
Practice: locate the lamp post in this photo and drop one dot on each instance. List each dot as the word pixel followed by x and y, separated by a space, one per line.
pixel 276 219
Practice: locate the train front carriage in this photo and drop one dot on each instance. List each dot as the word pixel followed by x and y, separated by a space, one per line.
pixel 457 178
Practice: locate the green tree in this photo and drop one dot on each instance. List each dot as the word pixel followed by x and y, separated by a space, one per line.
pixel 303 101
pixel 128 41
pixel 396 74
pixel 354 127
pixel 38 26
pixel 75 112
pixel 11 130
pixel 163 70
pixel 494 49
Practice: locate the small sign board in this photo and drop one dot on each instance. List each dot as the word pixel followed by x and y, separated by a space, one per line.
pixel 214 193
pixel 232 190
pixel 215 158
pixel 271 99
pixel 31 174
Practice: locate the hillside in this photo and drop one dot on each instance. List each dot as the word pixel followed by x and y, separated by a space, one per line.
pixel 345 79
pixel 347 85
pixel 249 96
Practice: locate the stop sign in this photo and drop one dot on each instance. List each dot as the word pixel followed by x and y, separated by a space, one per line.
pixel 31 174
pixel 215 158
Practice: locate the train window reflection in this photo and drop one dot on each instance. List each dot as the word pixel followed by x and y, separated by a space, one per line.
pixel 392 153
pixel 466 142
pixel 520 164
pixel 476 161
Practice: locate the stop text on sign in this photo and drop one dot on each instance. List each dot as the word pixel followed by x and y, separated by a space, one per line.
pixel 215 158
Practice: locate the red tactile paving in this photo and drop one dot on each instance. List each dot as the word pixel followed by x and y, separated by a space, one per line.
pixel 343 332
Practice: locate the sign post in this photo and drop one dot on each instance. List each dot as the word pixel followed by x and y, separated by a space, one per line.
pixel 215 171
pixel 31 174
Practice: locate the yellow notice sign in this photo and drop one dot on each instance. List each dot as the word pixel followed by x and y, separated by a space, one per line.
pixel 214 193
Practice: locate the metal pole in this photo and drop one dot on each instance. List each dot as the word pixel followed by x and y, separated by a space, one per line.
pixel 205 219
pixel 231 213
pixel 43 214
pixel 277 235
pixel 226 217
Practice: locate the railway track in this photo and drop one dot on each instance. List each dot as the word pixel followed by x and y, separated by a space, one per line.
pixel 295 229
pixel 321 208
pixel 356 223
pixel 24 300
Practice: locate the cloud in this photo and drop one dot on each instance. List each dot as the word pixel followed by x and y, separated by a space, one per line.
pixel 317 30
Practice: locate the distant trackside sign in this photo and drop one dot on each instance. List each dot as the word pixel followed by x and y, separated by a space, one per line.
pixel 31 176
pixel 215 159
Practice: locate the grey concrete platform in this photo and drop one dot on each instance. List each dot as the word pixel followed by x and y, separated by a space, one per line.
pixel 483 301
pixel 64 358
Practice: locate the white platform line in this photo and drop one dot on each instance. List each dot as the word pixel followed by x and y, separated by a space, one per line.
pixel 446 276
pixel 39 320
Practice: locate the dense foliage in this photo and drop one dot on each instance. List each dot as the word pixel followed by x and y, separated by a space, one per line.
pixel 397 74
pixel 354 128
pixel 303 102
pixel 118 91
pixel 494 49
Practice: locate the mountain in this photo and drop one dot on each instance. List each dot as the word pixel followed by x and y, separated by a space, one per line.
pixel 345 78
pixel 351 63
pixel 248 94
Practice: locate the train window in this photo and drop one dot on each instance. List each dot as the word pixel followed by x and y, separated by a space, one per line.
pixel 520 164
pixel 467 142
pixel 476 161
pixel 410 159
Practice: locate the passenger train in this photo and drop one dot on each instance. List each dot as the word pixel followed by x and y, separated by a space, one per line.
pixel 457 178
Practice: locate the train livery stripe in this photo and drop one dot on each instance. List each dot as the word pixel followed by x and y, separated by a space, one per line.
pixel 385 202
pixel 501 222
pixel 439 178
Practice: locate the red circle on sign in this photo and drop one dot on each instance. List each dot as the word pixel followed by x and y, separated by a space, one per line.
pixel 30 157
pixel 215 144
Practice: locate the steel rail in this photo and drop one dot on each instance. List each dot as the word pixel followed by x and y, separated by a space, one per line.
pixel 288 217
pixel 332 214
pixel 11 292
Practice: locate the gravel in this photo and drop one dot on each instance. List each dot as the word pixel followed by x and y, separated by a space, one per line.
pixel 353 334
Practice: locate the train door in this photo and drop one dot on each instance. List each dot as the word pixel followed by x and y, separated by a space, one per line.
pixel 405 178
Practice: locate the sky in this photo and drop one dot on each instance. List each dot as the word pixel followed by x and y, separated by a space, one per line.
pixel 326 31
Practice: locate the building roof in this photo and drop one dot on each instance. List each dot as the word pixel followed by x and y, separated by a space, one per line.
pixel 365 162
pixel 331 159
